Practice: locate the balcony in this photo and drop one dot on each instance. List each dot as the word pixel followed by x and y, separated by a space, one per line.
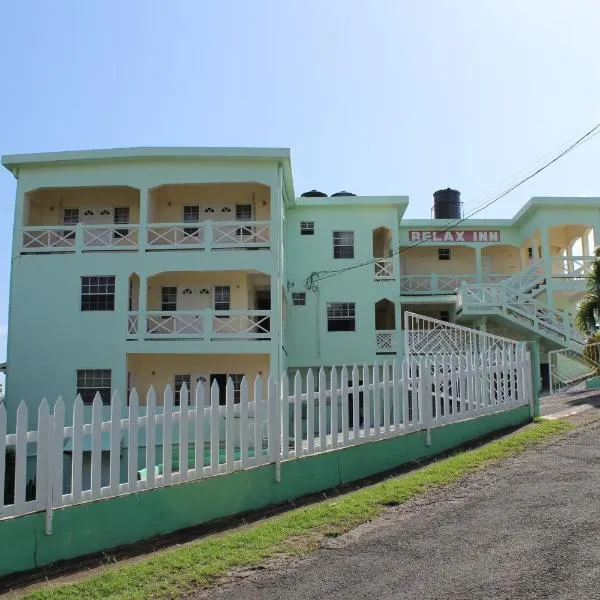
pixel 208 235
pixel 384 268
pixel 200 325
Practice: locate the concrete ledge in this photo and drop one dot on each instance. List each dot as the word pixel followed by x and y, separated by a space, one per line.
pixel 104 524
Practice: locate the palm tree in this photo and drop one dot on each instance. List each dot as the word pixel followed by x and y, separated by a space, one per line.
pixel 588 311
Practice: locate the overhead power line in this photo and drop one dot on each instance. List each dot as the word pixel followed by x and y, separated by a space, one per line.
pixel 315 277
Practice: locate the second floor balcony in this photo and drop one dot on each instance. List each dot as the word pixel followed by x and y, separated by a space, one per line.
pixel 171 217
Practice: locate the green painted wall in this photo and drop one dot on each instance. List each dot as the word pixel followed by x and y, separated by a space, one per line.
pixel 95 526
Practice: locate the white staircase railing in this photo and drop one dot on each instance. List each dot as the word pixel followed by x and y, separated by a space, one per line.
pixel 526 280
pixel 523 309
pixel 569 367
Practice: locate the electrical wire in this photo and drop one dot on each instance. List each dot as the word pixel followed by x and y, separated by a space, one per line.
pixel 313 279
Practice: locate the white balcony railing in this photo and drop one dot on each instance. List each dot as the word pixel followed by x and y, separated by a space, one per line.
pixel 385 340
pixel 48 239
pixel 433 284
pixel 206 235
pixel 201 324
pixel 118 237
pixel 168 236
pixel 384 268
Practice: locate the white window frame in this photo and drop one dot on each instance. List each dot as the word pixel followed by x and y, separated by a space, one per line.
pixel 337 238
pixel 341 311
pixel 91 387
pixel 307 228
pixel 444 254
pixel 299 298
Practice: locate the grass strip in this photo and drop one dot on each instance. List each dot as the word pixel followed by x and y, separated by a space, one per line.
pixel 169 573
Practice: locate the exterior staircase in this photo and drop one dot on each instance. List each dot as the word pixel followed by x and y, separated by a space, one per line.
pixel 514 302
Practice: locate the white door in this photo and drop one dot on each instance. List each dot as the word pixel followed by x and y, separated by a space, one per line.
pixel 97 215
pixel 487 264
pixel 192 299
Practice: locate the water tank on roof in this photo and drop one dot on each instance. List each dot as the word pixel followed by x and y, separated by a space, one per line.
pixel 313 194
pixel 447 204
pixel 342 193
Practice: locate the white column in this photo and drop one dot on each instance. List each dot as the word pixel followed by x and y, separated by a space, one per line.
pixel 478 268
pixel 545 245
pixel 142 307
pixel 143 232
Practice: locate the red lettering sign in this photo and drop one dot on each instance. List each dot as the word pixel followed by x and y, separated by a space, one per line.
pixel 455 236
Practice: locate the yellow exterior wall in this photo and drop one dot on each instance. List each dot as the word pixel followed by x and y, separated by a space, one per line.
pixel 159 369
pixel 204 195
pixel 424 261
pixel 46 205
pixel 241 283
pixel 501 259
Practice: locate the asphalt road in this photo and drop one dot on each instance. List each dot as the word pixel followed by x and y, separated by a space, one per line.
pixel 527 528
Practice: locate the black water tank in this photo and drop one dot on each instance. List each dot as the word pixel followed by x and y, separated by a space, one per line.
pixel 313 194
pixel 342 193
pixel 447 204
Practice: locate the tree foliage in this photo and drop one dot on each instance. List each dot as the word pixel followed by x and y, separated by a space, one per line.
pixel 588 311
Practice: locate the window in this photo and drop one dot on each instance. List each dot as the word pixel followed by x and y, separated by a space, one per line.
pixel 179 381
pixel 530 253
pixel 236 379
pixel 121 217
pixel 341 316
pixel 191 214
pixel 445 316
pixel 70 216
pixel 90 381
pixel 222 297
pixel 168 298
pixel 307 228
pixel 299 298
pixel 343 244
pixel 243 212
pixel 443 253
pixel 98 292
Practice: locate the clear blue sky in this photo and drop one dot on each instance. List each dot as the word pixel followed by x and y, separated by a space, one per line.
pixel 379 97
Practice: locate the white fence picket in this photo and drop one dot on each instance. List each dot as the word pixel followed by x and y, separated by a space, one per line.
pixel 345 407
pixel 322 410
pixel 229 424
pixel 199 431
pixel 214 428
pixel 333 416
pixel 167 437
pixel 20 480
pixel 151 438
pixel 183 433
pixel 96 458
pixel 366 402
pixel 42 464
pixel 258 415
pixel 355 405
pixel 132 442
pixel 115 443
pixel 298 415
pixel 376 402
pixel 386 398
pixel 244 424
pixel 284 395
pixel 310 412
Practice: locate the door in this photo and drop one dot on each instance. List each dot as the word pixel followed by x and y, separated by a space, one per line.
pixel 262 301
pixel 221 379
pixel 190 303
pixel 97 215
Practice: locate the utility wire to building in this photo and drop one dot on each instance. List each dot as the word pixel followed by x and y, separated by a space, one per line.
pixel 312 281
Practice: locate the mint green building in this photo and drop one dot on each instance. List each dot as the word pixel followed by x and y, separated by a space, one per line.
pixel 155 266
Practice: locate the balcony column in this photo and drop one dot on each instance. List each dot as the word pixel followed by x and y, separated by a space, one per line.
pixel 586 251
pixel 143 232
pixel 547 263
pixel 478 269
pixel 570 263
pixel 142 307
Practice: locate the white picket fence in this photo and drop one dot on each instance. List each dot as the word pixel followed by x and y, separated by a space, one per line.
pixel 141 447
